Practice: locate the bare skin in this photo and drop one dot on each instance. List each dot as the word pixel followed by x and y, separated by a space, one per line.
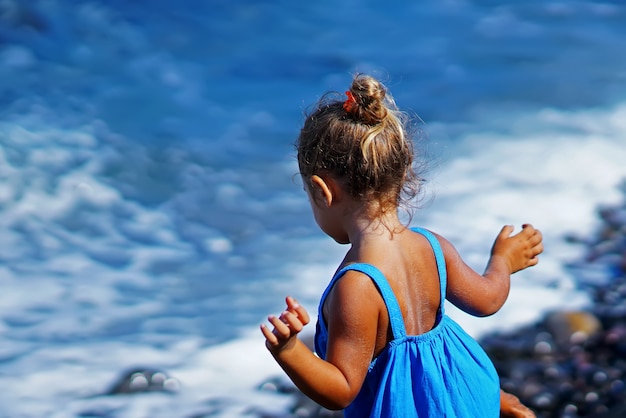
pixel 359 331
pixel 511 407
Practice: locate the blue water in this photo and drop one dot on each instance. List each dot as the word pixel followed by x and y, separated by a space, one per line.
pixel 149 209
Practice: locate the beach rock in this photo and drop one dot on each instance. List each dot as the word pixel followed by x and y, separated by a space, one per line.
pixel 579 376
pixel 572 326
pixel 142 380
pixel 302 406
pixel 618 412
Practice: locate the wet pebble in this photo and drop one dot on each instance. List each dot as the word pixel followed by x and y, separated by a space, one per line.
pixel 141 380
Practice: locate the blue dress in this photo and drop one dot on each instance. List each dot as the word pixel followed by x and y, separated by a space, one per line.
pixel 441 373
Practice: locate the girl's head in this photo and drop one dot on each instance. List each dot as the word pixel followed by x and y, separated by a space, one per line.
pixel 362 142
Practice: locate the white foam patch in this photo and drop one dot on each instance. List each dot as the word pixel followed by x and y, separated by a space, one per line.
pixel 223 378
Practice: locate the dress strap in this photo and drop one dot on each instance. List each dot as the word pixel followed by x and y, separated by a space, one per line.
pixel 395 315
pixel 393 309
pixel 441 263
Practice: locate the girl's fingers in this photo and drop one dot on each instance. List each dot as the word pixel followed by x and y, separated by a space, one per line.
pixel 269 335
pixel 289 323
pixel 284 326
pixel 536 238
pixel 303 315
pixel 292 304
pixel 292 320
pixel 505 232
pixel 294 307
pixel 280 328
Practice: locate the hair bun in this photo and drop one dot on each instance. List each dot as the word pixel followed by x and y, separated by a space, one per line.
pixel 370 97
pixel 364 142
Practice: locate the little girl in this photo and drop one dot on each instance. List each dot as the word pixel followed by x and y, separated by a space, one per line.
pixel 385 347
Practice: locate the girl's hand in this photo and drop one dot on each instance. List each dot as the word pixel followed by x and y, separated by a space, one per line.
pixel 518 251
pixel 511 407
pixel 286 327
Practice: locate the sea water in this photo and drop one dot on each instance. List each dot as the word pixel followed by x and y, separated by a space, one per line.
pixel 150 210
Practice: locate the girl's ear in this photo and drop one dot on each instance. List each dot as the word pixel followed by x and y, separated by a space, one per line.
pixel 323 188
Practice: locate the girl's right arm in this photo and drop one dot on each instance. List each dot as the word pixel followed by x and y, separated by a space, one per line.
pixel 484 295
pixel 323 381
pixel 316 378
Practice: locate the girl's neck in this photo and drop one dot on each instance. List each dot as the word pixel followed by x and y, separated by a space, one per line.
pixel 380 228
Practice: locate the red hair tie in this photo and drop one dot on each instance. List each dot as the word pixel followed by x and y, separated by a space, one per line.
pixel 348 105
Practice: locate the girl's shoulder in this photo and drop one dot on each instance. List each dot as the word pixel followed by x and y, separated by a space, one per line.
pixel 437 241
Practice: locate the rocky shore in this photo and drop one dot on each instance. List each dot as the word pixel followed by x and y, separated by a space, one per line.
pixel 573 364
pixel 570 364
